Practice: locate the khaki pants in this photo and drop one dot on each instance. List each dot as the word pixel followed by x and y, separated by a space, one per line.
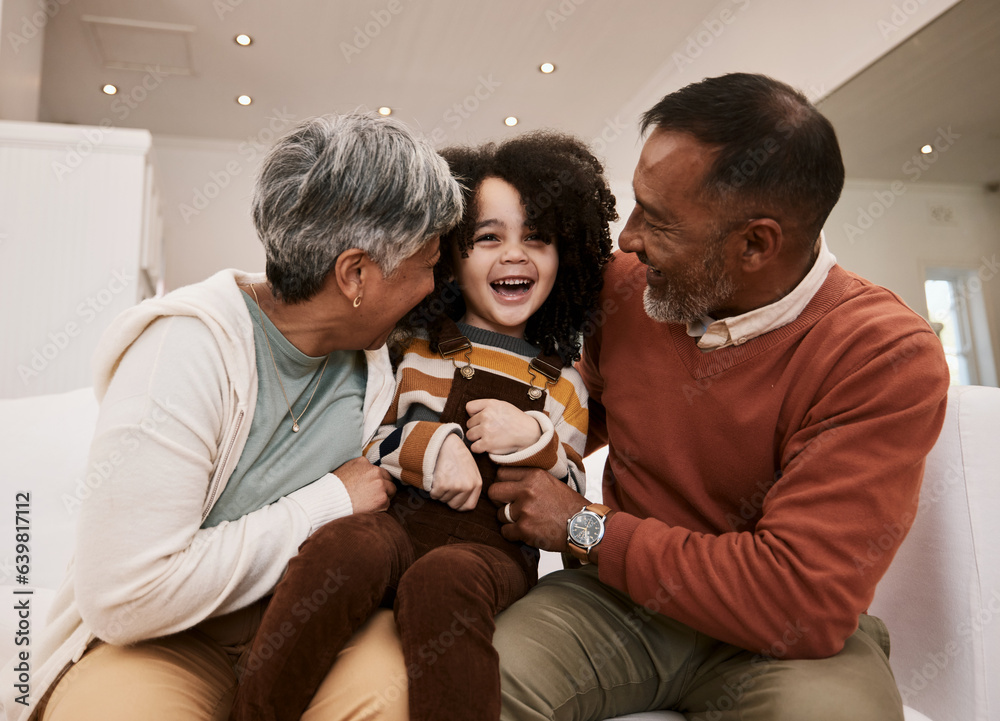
pixel 574 648
pixel 189 677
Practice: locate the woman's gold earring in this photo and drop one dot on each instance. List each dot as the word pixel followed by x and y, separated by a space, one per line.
pixel 357 301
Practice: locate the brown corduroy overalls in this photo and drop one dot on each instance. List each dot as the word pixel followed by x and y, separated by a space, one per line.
pixel 450 573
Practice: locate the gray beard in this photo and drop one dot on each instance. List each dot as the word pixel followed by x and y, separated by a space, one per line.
pixel 666 307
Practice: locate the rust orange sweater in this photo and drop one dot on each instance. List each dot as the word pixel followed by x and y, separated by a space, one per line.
pixel 763 488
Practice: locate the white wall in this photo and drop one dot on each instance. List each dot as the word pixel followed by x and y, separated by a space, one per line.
pixel 205 187
pixel 22 35
pixel 890 231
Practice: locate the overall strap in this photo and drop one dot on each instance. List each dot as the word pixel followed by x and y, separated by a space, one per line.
pixel 451 341
pixel 549 366
pixel 448 338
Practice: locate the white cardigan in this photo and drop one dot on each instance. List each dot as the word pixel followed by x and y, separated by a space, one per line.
pixel 144 567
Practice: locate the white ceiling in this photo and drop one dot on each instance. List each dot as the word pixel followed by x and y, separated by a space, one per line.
pixel 456 68
pixel 947 76
pixel 429 62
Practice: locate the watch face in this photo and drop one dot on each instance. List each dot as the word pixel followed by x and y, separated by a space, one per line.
pixel 586 529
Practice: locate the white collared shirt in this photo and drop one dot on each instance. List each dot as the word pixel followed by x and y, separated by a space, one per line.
pixel 714 334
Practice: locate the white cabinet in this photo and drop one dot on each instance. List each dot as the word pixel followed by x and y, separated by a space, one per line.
pixel 81 239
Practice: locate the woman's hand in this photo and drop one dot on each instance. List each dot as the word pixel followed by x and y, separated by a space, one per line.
pixel 370 487
pixel 499 427
pixel 457 481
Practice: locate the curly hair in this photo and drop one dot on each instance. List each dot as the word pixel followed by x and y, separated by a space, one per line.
pixel 566 197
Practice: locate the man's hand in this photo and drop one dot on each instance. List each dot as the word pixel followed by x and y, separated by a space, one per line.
pixel 499 427
pixel 370 487
pixel 540 506
pixel 456 477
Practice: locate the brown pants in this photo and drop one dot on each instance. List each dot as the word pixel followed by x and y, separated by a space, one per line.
pixel 450 572
pixel 446 600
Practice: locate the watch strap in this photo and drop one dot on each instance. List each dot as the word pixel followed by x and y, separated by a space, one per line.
pixel 580 554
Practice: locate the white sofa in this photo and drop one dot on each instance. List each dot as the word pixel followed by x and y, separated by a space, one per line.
pixel 940 598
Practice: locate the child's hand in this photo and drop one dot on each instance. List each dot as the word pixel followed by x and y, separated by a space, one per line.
pixel 498 427
pixel 456 477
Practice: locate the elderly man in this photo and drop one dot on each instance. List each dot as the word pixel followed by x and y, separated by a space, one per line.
pixel 768 414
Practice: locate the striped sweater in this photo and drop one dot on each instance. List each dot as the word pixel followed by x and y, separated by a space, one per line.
pixel 411 435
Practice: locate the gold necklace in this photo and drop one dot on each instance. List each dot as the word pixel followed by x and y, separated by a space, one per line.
pixel 295 421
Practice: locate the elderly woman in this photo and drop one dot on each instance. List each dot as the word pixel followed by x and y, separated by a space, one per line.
pixel 233 413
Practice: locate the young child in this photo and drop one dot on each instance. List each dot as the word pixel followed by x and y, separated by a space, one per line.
pixel 520 275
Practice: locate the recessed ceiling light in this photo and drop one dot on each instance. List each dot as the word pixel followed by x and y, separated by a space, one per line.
pixel 927 149
pixel 385 110
pixel 510 121
pixel 244 100
pixel 547 68
pixel 242 39
pixel 109 89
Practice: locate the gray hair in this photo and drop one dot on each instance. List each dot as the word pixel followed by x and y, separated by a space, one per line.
pixel 348 181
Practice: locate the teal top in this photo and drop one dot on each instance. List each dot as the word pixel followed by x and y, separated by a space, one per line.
pixel 277 461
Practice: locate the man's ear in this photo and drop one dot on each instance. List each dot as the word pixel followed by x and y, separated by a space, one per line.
pixel 349 270
pixel 762 241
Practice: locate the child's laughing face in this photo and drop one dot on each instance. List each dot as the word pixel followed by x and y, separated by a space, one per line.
pixel 510 268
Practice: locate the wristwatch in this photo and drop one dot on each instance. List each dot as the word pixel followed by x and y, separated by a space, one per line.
pixel 585 529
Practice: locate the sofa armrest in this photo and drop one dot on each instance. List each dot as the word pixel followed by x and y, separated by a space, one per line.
pixel 941 595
